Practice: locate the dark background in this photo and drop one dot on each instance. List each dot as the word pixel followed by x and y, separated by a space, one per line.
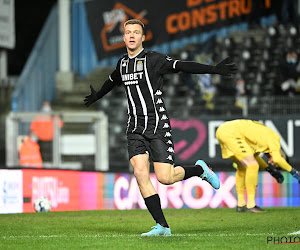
pixel 30 16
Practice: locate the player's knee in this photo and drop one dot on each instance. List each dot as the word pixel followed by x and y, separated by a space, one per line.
pixel 140 174
pixel 166 179
pixel 248 161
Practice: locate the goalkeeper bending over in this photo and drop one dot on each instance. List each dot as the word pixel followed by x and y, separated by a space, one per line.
pixel 242 141
pixel 149 133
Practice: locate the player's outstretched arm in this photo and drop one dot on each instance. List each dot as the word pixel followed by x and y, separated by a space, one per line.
pixel 96 95
pixel 224 67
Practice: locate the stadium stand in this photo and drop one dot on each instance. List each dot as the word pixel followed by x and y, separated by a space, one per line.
pixel 257 52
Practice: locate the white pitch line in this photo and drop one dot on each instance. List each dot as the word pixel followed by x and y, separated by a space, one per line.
pixel 138 235
pixel 132 235
pixel 294 233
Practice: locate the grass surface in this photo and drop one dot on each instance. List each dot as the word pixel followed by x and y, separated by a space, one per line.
pixel 220 228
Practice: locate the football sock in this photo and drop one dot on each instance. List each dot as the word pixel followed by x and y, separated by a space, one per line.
pixel 251 184
pixel 240 186
pixel 190 171
pixel 261 162
pixel 153 204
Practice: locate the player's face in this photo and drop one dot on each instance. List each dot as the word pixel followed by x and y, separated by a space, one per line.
pixel 133 37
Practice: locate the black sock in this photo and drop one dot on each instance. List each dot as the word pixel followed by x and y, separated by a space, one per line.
pixel 191 171
pixel 153 204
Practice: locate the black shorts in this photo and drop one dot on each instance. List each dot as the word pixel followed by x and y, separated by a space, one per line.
pixel 159 148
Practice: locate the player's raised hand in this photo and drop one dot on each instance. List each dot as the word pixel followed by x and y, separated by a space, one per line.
pixel 225 67
pixel 89 99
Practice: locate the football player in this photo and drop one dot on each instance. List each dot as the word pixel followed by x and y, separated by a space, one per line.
pixel 243 141
pixel 149 133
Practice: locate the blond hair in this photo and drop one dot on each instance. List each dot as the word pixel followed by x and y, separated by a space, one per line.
pixel 135 21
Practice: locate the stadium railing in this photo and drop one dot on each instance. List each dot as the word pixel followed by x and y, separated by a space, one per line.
pixel 81 144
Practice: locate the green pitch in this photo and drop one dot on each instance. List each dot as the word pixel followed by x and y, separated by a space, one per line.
pixel 221 228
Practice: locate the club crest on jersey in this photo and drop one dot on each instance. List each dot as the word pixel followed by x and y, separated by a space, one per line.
pixel 139 66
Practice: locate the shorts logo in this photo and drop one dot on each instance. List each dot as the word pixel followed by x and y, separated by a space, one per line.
pixel 169 142
pixel 170 158
pixel 162 109
pixel 171 150
pixel 168 134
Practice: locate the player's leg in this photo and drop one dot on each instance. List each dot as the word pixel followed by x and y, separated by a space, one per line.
pixel 240 189
pixel 138 150
pixel 235 146
pixel 167 174
pixel 240 185
pixel 141 167
pixel 251 179
pixel 141 170
pixel 162 153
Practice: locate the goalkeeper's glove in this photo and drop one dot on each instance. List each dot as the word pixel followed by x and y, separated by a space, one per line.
pixel 295 174
pixel 275 173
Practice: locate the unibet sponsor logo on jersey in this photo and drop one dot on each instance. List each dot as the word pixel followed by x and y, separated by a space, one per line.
pixel 132 78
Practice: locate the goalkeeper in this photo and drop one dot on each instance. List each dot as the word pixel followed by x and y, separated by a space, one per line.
pixel 243 141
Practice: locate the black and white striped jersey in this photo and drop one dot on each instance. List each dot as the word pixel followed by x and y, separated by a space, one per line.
pixel 142 78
